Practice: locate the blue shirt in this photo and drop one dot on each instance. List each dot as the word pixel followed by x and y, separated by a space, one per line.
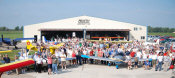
pixel 147 63
pixel 110 52
pixel 6 59
pixel 127 53
pixel 101 45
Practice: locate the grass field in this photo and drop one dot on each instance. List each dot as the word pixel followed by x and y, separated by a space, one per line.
pixel 13 53
pixel 163 34
pixel 12 34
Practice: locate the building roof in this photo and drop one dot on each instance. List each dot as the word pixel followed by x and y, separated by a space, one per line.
pixel 84 22
pixel 82 30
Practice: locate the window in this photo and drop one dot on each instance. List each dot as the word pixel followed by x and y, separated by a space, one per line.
pixel 140 28
pixel 135 28
pixel 142 37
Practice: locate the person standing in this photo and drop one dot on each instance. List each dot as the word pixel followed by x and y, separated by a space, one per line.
pixel 136 62
pixel 154 58
pixel 166 62
pixel 49 61
pixel 74 56
pixel 129 65
pixel 16 59
pixel 22 58
pixel 35 56
pixel 160 62
pixel 54 64
pixel 44 65
pixel 63 59
pixel 79 56
pixel 91 54
pixel 84 53
pixel 39 64
pixel 6 60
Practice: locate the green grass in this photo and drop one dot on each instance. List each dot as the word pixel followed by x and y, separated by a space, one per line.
pixel 12 34
pixel 11 54
pixel 163 34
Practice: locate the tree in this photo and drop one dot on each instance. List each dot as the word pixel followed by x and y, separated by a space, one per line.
pixel 150 29
pixel 17 28
pixel 3 28
pixel 21 28
pixel 172 30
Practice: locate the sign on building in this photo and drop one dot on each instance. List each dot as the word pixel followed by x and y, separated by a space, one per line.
pixel 83 22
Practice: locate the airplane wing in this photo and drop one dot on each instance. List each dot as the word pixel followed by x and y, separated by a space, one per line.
pixel 6 51
pixel 70 58
pixel 19 39
pixel 101 58
pixel 14 65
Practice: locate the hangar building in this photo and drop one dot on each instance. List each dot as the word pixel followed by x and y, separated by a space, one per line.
pixel 86 27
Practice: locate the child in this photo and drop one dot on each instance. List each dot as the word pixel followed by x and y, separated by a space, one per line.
pixel 129 65
pixel 147 64
pixel 136 62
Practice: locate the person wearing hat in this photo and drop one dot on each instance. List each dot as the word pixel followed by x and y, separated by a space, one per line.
pixel 35 56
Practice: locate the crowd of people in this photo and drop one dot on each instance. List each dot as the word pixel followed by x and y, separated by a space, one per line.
pixel 136 55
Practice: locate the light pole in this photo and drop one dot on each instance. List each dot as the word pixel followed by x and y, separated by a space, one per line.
pixel 84 32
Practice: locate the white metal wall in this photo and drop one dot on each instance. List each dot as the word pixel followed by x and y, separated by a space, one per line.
pixel 95 23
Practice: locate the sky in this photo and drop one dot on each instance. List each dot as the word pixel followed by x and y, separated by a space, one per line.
pixel 155 13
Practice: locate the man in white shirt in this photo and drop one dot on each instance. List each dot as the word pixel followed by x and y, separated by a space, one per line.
pixel 22 58
pixel 160 62
pixel 39 64
pixel 57 54
pixel 35 56
pixel 139 54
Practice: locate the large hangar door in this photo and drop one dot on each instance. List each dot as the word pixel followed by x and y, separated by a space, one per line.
pixel 61 34
pixel 95 35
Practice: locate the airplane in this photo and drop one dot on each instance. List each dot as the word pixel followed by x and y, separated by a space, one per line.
pixel 50 47
pixel 152 43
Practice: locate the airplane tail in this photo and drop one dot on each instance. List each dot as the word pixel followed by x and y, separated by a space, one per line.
pixel 30 46
pixel 44 39
pixel 158 40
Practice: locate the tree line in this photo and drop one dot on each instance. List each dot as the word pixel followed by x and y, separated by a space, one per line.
pixel 160 29
pixel 150 29
pixel 17 28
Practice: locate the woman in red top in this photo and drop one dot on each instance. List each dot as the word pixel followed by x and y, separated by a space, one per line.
pixel 49 64
pixel 100 54
pixel 74 56
pixel 91 54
